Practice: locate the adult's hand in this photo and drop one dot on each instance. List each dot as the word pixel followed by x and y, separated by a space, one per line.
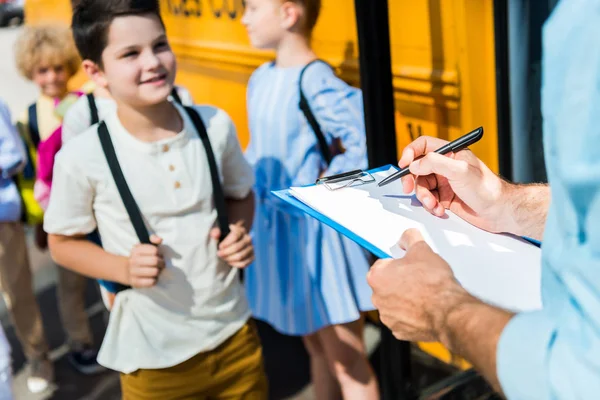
pixel 459 182
pixel 414 294
pixel 419 299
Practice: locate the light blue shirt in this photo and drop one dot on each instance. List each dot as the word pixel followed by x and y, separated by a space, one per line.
pixel 12 156
pixel 555 353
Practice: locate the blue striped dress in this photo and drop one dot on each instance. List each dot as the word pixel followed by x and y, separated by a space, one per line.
pixel 306 275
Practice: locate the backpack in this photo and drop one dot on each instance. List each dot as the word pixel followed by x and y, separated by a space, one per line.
pixel 32 212
pixel 324 147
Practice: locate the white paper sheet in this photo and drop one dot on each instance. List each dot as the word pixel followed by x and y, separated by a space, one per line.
pixel 499 269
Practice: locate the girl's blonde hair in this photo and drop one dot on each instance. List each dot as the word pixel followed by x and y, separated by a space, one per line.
pixel 312 8
pixel 46 45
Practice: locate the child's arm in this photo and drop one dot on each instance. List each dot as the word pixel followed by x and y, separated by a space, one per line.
pixel 12 154
pixel 238 178
pixel 236 249
pixel 241 211
pixel 70 216
pixel 140 269
pixel 81 255
pixel 338 110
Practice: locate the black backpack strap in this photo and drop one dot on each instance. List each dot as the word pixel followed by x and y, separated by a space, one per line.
pixel 94 119
pixel 34 129
pixel 310 117
pixel 219 196
pixel 128 201
pixel 175 96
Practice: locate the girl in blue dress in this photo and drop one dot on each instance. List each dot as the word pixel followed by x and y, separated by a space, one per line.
pixel 308 280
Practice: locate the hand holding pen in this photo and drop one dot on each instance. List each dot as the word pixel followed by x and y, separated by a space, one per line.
pixel 459 144
pixel 459 182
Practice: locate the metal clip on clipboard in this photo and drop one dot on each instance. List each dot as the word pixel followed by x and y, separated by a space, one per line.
pixel 346 179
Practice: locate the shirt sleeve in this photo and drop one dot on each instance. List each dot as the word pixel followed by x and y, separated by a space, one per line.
pixel 250 152
pixel 12 151
pixel 525 377
pixel 554 353
pixel 238 176
pixel 338 110
pixel 70 211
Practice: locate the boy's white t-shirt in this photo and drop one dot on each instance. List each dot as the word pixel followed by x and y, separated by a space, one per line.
pixel 79 117
pixel 198 301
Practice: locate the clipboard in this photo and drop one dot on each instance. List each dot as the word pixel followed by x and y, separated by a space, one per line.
pixel 341 181
pixel 286 196
pixel 374 217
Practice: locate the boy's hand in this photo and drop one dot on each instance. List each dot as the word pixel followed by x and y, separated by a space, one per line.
pixel 236 249
pixel 145 264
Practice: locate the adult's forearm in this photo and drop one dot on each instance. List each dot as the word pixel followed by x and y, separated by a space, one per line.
pixel 82 256
pixel 241 210
pixel 527 207
pixel 472 329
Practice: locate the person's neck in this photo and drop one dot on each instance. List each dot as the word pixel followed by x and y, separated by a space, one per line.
pixel 151 123
pixel 294 50
pixel 99 91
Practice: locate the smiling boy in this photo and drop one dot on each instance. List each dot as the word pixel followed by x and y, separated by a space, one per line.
pixel 181 329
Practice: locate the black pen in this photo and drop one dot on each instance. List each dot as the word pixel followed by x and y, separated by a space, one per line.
pixel 454 146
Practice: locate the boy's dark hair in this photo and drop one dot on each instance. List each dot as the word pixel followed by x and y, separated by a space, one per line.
pixel 92 18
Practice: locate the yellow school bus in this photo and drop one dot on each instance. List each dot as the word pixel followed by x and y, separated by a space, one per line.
pixel 443 64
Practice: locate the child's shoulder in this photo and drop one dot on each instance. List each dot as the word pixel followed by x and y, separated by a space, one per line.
pixel 81 149
pixel 62 106
pixel 320 67
pixel 320 72
pixel 320 77
pixel 80 106
pixel 216 120
pixel 260 72
pixel 210 113
pixel 39 103
pixel 263 68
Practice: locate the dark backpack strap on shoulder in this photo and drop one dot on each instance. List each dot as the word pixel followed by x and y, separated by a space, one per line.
pixel 94 118
pixel 310 117
pixel 176 96
pixel 128 201
pixel 219 196
pixel 34 129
